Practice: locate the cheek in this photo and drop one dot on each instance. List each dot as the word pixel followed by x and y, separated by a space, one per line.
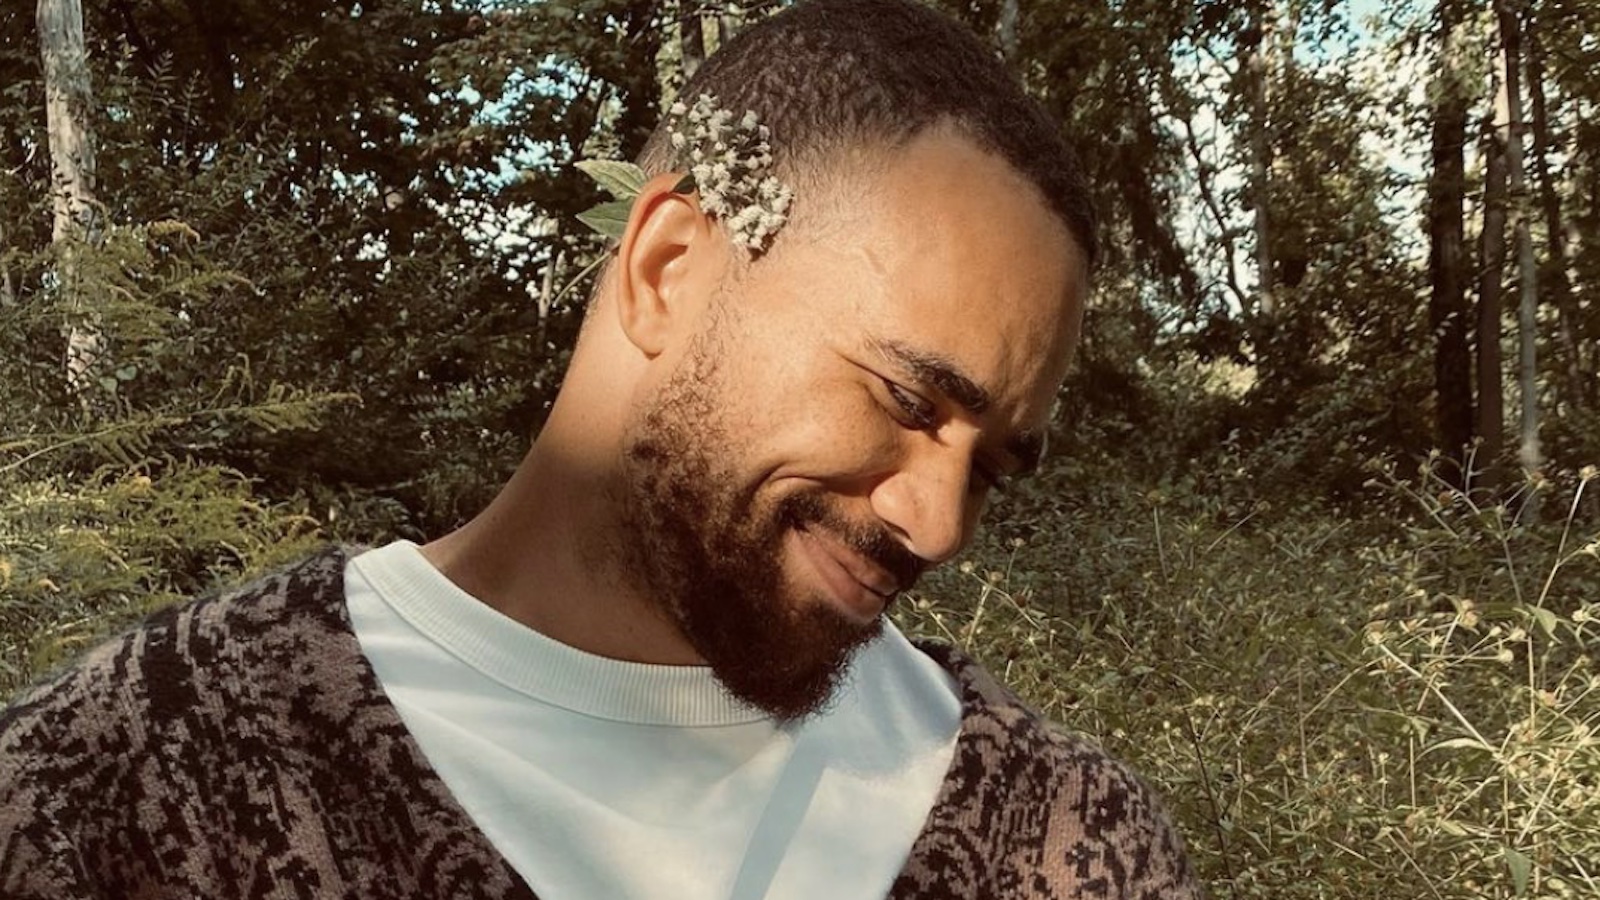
pixel 838 434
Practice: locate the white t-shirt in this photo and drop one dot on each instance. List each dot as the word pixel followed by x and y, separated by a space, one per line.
pixel 597 778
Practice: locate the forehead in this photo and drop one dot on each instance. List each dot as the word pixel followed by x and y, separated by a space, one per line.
pixel 943 248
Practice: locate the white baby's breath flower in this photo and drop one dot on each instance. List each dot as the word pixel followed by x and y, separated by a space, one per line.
pixel 730 161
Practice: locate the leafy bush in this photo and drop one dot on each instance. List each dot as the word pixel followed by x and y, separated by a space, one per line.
pixel 115 497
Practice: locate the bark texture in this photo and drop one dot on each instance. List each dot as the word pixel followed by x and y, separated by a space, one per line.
pixel 1447 306
pixel 77 218
pixel 1491 300
pixel 1529 453
pixel 1555 280
pixel 1006 29
pixel 692 38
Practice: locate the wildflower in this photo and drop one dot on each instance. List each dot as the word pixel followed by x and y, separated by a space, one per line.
pixel 729 161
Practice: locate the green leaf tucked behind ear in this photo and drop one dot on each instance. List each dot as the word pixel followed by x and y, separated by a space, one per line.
pixel 622 180
pixel 609 219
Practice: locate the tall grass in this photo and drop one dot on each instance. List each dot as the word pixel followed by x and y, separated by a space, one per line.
pixel 1398 705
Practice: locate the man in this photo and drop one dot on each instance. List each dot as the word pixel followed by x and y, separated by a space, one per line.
pixel 657 665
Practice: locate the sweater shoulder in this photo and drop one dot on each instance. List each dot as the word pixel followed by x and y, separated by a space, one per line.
pixel 183 669
pixel 1030 809
pixel 236 746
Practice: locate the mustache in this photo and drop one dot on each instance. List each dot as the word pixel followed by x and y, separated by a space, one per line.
pixel 874 542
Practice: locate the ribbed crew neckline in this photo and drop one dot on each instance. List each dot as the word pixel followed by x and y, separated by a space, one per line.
pixel 535 665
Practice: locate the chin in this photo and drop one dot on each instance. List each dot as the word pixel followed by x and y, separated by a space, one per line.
pixel 791 661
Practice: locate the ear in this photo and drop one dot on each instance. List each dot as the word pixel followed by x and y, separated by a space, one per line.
pixel 663 266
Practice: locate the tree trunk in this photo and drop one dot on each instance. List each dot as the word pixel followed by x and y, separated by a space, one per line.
pixel 8 291
pixel 1491 301
pixel 1255 63
pixel 1529 452
pixel 692 38
pixel 1006 30
pixel 1447 303
pixel 729 21
pixel 1580 387
pixel 68 102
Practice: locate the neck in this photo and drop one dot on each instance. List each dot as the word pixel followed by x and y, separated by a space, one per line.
pixel 538 554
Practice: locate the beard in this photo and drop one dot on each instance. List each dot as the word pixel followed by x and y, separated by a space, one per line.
pixel 710 554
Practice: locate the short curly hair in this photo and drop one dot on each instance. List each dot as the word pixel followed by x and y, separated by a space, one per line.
pixel 830 75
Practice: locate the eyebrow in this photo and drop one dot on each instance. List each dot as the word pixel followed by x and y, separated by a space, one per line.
pixel 944 376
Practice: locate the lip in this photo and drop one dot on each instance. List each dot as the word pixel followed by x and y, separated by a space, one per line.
pixel 859 587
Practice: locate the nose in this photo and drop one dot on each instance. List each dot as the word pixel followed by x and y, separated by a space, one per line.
pixel 929 504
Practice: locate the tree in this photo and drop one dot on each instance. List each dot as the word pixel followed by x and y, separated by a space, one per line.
pixel 68 103
pixel 1529 453
pixel 1577 388
pixel 1448 315
pixel 1006 30
pixel 1491 302
pixel 691 37
pixel 1255 64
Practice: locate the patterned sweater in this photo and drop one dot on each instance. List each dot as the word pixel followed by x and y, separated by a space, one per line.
pixel 241 747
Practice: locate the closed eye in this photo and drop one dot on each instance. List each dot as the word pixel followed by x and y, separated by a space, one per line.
pixel 921 414
pixel 918 413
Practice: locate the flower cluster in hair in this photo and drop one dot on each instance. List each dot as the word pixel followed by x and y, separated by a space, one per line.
pixel 730 161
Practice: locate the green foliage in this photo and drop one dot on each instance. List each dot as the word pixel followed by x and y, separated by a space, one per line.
pixel 115 500
pixel 81 556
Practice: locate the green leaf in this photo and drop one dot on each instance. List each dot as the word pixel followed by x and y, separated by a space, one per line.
pixel 1460 743
pixel 609 219
pixel 1520 865
pixel 621 180
pixel 1547 620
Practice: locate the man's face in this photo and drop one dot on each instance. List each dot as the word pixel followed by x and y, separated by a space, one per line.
pixel 833 427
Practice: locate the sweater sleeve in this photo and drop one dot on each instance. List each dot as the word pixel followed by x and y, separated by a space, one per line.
pixel 39 855
pixel 1030 811
pixel 93 803
pixel 38 860
pixel 1108 834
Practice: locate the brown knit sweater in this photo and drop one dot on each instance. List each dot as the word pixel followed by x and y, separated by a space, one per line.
pixel 241 747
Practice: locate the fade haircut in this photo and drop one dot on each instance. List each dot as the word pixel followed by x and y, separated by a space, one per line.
pixel 829 76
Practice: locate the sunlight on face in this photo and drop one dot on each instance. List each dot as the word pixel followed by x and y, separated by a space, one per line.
pixel 846 406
